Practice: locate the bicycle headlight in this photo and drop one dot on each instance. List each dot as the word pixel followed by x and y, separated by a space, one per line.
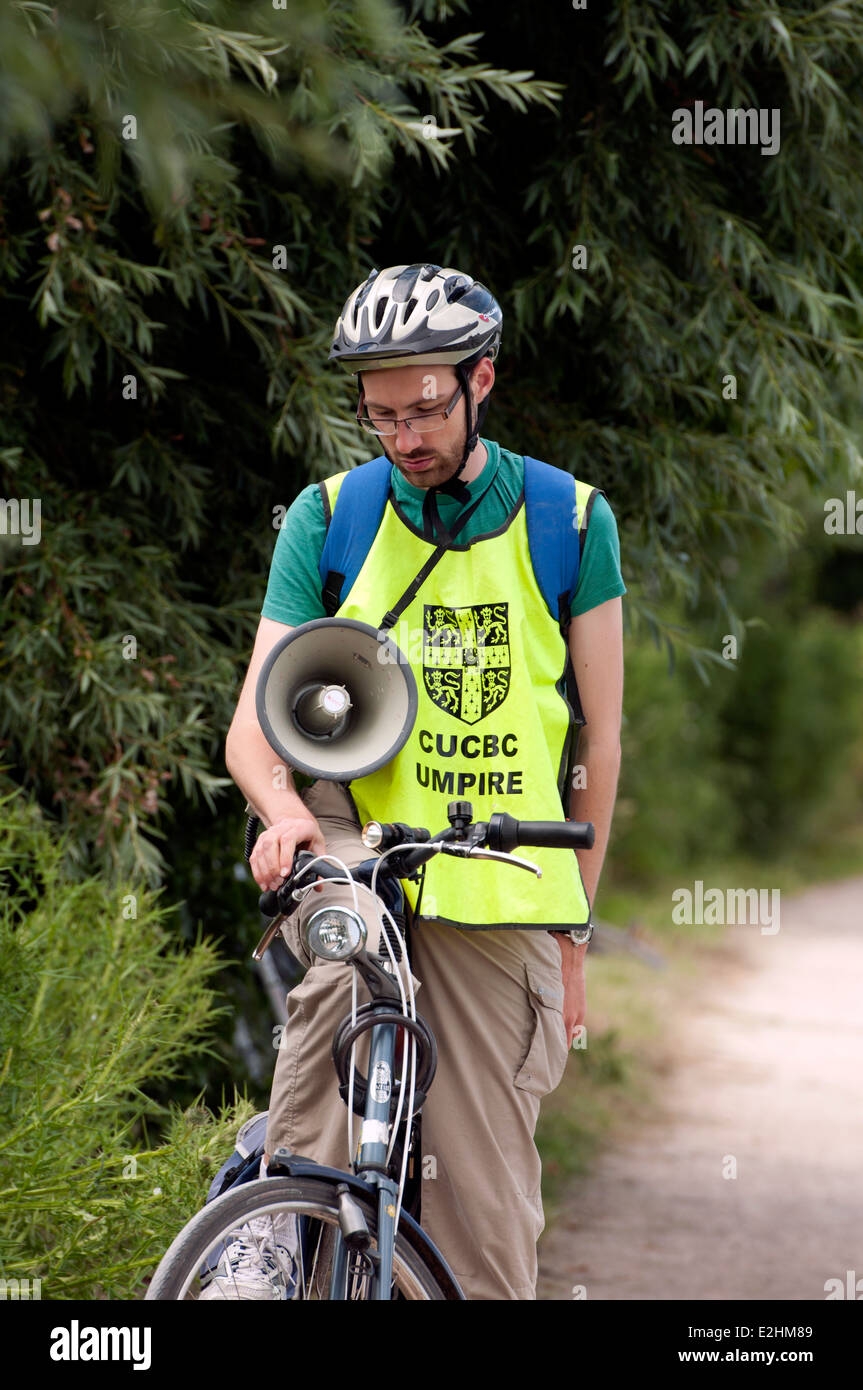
pixel 335 933
pixel 372 834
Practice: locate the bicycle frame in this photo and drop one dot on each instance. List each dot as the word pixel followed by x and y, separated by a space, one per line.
pixel 371 1173
pixel 371 1159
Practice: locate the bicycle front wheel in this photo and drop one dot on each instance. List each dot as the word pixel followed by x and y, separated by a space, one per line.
pixel 235 1247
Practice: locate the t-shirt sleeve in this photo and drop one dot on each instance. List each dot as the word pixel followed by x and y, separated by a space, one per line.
pixel 294 587
pixel 599 576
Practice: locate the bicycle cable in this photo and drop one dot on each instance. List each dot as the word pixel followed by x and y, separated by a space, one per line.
pixel 353 885
pixel 409 1009
pixel 409 1049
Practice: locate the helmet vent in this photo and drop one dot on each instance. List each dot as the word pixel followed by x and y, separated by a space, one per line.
pixel 409 308
pixel 433 299
pixel 380 310
pixel 455 287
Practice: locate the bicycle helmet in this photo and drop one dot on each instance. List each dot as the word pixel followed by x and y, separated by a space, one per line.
pixel 421 315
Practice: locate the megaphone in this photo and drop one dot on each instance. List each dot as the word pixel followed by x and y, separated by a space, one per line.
pixel 336 698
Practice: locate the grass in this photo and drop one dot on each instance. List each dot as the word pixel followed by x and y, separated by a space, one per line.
pixel 100 1002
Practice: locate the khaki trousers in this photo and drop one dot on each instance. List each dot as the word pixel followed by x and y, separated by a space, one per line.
pixel 494 1001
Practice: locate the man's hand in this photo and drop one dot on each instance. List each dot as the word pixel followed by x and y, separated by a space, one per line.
pixel 273 855
pixel 574 990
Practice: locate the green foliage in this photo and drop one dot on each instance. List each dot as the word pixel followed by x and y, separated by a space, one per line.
pixel 677 798
pixel 98 1004
pixel 109 670
pixel 766 755
pixel 169 298
pixel 793 732
pixel 300 96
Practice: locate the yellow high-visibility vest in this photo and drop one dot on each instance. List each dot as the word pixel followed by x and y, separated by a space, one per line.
pixel 493 725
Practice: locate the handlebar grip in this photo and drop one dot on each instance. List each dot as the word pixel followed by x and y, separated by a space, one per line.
pixel 506 833
pixel 268 902
pixel 396 833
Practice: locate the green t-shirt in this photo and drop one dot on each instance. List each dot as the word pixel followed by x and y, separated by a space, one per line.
pixel 294 589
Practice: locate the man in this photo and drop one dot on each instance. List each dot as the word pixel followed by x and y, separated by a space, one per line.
pixel 503 1004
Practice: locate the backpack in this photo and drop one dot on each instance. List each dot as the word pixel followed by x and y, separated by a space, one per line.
pixel 555 530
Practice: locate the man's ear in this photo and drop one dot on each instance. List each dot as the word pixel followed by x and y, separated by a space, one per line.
pixel 482 378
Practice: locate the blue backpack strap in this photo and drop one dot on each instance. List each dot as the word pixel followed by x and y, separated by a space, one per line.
pixel 553 534
pixel 351 528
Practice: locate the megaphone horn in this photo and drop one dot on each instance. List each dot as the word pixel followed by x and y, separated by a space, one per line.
pixel 336 699
pixel 321 710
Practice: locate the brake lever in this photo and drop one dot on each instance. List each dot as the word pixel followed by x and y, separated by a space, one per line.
pixel 269 935
pixel 297 894
pixel 475 852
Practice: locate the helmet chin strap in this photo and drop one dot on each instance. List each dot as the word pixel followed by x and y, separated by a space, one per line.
pixel 455 486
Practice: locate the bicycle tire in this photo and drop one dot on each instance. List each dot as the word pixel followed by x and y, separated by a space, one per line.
pixel 177 1277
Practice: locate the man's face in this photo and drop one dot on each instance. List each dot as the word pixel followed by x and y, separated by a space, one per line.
pixel 426 459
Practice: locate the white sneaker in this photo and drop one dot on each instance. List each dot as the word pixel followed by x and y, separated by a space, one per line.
pixel 260 1263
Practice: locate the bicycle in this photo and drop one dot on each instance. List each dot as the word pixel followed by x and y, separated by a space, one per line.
pixel 356 1237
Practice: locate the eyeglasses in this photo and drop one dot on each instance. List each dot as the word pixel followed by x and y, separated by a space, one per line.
pixel 420 424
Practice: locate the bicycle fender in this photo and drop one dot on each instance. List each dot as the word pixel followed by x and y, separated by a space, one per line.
pixel 283 1164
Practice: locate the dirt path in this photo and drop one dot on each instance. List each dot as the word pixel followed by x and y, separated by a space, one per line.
pixel 768 1068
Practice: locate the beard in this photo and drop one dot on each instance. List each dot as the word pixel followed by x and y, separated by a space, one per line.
pixel 445 461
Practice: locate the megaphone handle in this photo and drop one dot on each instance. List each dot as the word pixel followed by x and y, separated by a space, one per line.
pixel 251 834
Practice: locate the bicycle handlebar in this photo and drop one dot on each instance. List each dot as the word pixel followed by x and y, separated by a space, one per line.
pixel 501 833
pixel 269 900
pixel 505 832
